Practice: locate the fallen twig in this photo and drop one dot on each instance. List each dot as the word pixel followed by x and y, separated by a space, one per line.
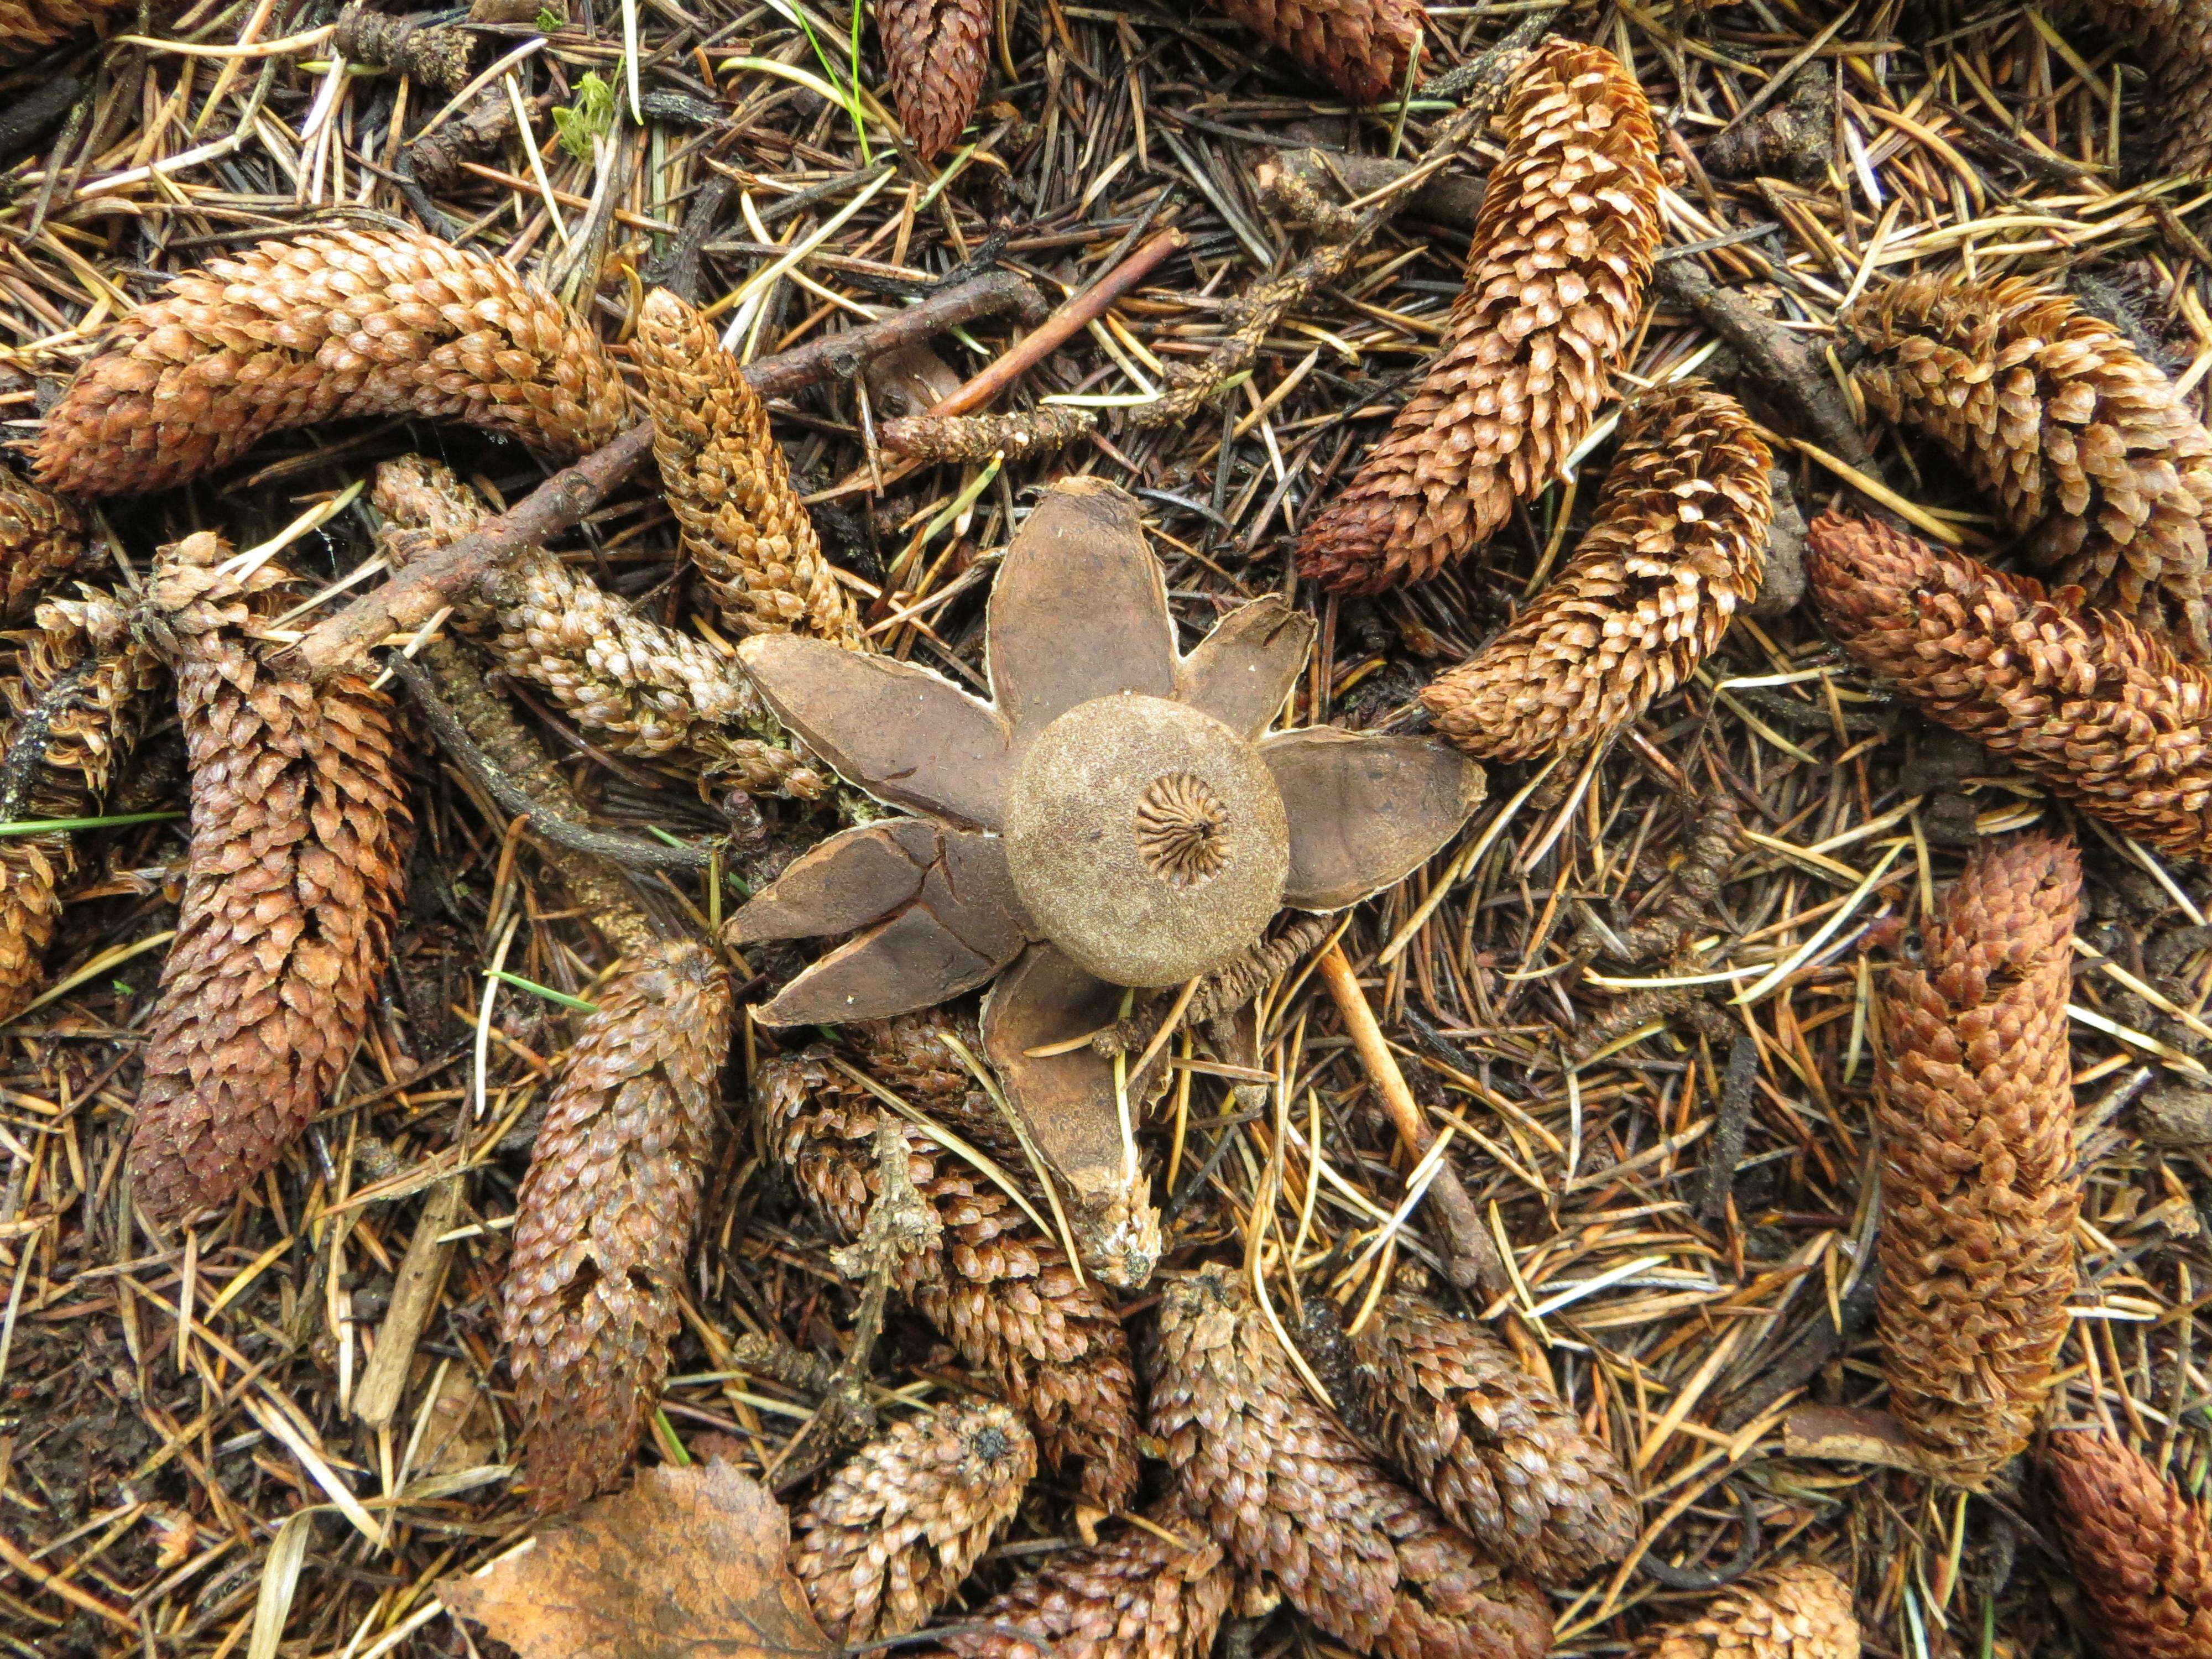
pixel 1471 1257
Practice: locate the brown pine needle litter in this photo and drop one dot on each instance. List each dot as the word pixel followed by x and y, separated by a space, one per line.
pixel 260 1388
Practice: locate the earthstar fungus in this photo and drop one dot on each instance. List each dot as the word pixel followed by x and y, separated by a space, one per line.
pixel 1113 817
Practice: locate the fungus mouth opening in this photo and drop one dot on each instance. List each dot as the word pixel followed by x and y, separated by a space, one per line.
pixel 1182 829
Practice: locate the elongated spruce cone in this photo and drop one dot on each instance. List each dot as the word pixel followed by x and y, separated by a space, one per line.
pixel 1135 1597
pixel 41 540
pixel 1292 1498
pixel 633 684
pixel 1975 1112
pixel 1563 248
pixel 2093 708
pixel 292 887
pixel 1361 47
pixel 888 1540
pixel 2141 1550
pixel 605 1217
pixel 2094 458
pixel 936 53
pixel 1000 1290
pixel 325 325
pixel 76 702
pixel 1488 1445
pixel 1795 1612
pixel 1678 547
pixel 29 26
pixel 729 485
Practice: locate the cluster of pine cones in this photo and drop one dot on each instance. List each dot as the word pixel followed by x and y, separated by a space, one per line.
pixel 1421 1514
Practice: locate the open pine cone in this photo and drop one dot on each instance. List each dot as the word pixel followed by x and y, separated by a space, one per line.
pixel 1798 1611
pixel 1979 1189
pixel 2095 460
pixel 603 1218
pixel 1678 547
pixel 1555 276
pixel 291 891
pixel 323 326
pixel 1295 1502
pixel 2140 1549
pixel 2083 700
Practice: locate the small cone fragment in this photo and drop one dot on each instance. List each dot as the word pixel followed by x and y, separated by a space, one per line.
pixel 41 540
pixel 936 53
pixel 1975 1111
pixel 290 893
pixel 323 326
pixel 636 686
pixel 604 1220
pixel 1287 1493
pixel 890 1538
pixel 29 26
pixel 1364 48
pixel 1136 1596
pixel 729 486
pixel 2093 708
pixel 1795 1612
pixel 2094 456
pixel 1499 1457
pixel 2140 1549
pixel 1563 248
pixel 1678 547
pixel 76 702
pixel 1000 1290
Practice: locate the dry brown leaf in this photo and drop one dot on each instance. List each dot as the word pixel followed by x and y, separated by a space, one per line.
pixel 688 1564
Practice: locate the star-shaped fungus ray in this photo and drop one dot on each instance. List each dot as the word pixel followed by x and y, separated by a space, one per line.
pixel 1113 817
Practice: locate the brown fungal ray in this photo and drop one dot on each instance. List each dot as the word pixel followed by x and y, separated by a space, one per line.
pixel 1365 811
pixel 1078 609
pixel 1241 672
pixel 905 735
pixel 951 937
pixel 1067 1103
pixel 856 876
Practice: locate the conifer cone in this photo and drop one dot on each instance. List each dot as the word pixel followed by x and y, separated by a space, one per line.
pixel 2093 708
pixel 885 1543
pixel 729 486
pixel 292 886
pixel 2140 1549
pixel 75 702
pixel 1499 1457
pixel 1563 248
pixel 1361 47
pixel 1795 1612
pixel 603 1218
pixel 1135 1597
pixel 2175 37
pixel 1975 1111
pixel 1286 1491
pixel 41 540
pixel 1001 1291
pixel 936 53
pixel 638 687
pixel 2094 458
pixel 29 26
pixel 1678 547
pixel 325 325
